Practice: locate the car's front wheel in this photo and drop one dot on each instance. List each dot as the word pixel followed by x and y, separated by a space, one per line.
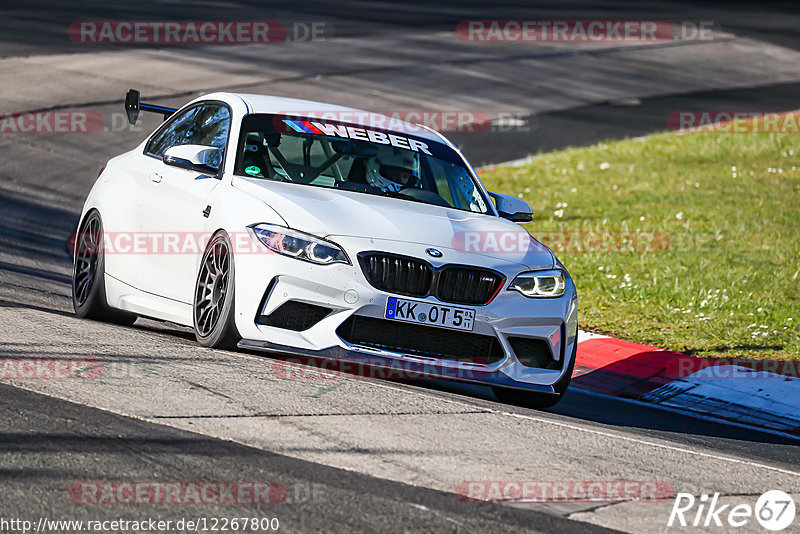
pixel 88 275
pixel 538 401
pixel 214 324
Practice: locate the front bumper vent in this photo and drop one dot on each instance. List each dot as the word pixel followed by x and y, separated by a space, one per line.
pixel 294 315
pixel 419 340
pixel 532 352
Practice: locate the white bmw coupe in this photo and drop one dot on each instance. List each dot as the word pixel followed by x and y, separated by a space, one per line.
pixel 303 228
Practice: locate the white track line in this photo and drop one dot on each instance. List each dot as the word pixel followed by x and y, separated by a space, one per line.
pixel 595 431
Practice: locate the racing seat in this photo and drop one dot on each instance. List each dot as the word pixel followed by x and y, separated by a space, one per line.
pixel 358 172
pixel 256 155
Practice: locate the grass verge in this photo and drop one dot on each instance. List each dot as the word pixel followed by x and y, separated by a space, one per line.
pixel 687 242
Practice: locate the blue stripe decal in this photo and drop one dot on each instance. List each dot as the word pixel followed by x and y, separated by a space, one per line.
pixel 295 126
pixel 391 307
pixel 305 128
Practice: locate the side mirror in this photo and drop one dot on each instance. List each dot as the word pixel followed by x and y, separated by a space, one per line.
pixel 196 158
pixel 512 208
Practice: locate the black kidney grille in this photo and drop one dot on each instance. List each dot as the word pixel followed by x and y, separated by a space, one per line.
pixel 417 278
pixel 464 285
pixel 421 340
pixel 397 274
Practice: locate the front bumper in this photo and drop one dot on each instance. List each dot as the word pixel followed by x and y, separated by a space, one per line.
pixel 264 282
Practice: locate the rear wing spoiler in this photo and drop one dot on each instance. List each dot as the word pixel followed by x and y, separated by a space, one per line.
pixel 133 105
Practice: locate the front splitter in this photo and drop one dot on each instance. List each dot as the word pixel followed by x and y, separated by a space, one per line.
pixel 363 363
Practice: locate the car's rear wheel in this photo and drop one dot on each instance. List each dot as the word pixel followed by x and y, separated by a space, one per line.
pixel 88 275
pixel 214 324
pixel 538 401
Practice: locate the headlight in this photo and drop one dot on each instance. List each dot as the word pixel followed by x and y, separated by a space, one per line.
pixel 299 245
pixel 540 284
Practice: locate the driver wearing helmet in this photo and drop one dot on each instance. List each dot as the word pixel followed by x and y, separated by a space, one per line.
pixel 393 169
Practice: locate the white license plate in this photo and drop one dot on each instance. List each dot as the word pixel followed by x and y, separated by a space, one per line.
pixel 430 314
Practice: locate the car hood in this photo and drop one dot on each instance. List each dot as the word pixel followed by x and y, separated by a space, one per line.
pixel 330 212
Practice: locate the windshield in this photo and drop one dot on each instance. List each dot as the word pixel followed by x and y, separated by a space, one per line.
pixel 367 160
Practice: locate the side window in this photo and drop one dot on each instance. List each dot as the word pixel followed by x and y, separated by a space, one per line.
pixel 456 186
pixel 207 125
pixel 210 127
pixel 172 135
pixel 443 188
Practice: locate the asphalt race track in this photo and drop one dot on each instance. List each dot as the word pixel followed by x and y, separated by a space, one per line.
pixel 353 454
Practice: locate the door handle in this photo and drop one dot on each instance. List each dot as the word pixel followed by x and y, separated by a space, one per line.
pixel 155 177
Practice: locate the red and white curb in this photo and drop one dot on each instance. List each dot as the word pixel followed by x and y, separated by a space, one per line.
pixel 764 394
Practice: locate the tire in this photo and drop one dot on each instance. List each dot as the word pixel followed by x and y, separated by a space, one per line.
pixel 538 401
pixel 88 275
pixel 213 309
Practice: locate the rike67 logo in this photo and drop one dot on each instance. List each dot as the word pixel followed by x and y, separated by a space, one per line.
pixel 774 510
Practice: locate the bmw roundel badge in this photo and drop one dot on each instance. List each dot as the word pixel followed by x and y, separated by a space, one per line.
pixel 434 252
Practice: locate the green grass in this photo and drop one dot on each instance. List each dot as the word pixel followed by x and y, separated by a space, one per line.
pixel 722 278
